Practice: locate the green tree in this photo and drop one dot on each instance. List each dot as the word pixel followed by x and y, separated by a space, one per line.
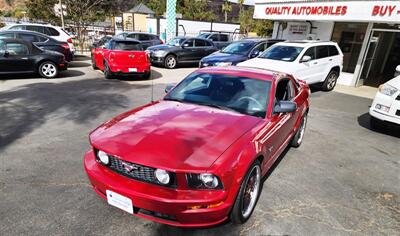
pixel 240 2
pixel 42 10
pixel 195 10
pixel 226 8
pixel 158 6
pixel 246 20
pixel 263 27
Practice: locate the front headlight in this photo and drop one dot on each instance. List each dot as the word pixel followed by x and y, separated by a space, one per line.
pixel 388 89
pixel 103 157
pixel 159 53
pixel 162 176
pixel 203 181
pixel 223 63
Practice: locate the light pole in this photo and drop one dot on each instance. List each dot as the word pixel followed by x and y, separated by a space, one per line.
pixel 62 14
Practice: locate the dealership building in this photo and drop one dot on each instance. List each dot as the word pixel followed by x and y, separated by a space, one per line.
pixel 368 32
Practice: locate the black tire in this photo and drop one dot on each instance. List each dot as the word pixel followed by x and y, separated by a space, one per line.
pixel 94 66
pixel 146 75
pixel 330 81
pixel 170 62
pixel 299 136
pixel 107 72
pixel 237 216
pixel 48 70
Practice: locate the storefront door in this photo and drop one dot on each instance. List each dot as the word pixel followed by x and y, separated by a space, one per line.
pixel 382 58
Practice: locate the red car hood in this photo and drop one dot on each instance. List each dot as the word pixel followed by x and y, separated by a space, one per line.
pixel 172 135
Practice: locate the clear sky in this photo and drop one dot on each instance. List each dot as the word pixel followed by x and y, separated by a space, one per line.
pixel 248 2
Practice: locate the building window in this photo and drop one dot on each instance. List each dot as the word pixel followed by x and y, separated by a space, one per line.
pixel 350 37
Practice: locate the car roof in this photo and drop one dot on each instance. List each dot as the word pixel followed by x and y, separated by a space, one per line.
pixel 25 32
pixel 134 32
pixel 188 37
pixel 306 43
pixel 34 24
pixel 250 72
pixel 116 39
pixel 257 40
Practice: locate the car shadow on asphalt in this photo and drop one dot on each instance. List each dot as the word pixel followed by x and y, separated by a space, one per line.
pixel 26 108
pixel 62 74
pixel 385 128
pixel 154 75
pixel 77 64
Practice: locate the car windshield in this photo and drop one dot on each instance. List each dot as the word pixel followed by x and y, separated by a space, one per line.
pixel 176 42
pixel 238 48
pixel 227 92
pixel 127 46
pixel 282 53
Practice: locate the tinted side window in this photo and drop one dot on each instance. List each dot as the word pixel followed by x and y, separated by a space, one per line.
pixel 333 51
pixel 200 43
pixel 53 32
pixel 260 47
pixel 143 37
pixel 214 37
pixel 209 44
pixel 28 37
pixel 41 39
pixel 132 36
pixel 154 37
pixel 6 36
pixel 223 38
pixel 310 52
pixel 17 49
pixel 189 43
pixel 18 27
pixel 35 28
pixel 322 52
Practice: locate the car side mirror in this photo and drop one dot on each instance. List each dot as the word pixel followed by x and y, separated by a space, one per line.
pixel 185 45
pixel 305 59
pixel 169 87
pixel 255 53
pixel 285 107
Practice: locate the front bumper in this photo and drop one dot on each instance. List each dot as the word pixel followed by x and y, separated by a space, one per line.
pixel 393 115
pixel 157 203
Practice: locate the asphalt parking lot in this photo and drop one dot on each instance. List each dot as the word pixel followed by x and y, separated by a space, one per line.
pixel 344 180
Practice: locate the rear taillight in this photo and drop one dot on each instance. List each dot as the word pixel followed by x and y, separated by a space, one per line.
pixel 66 47
pixel 69 40
pixel 161 42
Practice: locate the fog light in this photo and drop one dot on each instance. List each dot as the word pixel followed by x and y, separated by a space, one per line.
pixel 382 108
pixel 103 157
pixel 162 176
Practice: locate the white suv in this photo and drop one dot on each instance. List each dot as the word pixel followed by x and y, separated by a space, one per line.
pixel 52 31
pixel 311 61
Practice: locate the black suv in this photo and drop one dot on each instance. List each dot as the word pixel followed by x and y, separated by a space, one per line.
pixel 220 40
pixel 146 39
pixel 181 50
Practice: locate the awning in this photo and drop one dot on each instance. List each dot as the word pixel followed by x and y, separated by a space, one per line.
pixel 336 10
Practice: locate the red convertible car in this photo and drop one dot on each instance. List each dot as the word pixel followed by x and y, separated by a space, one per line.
pixel 198 156
pixel 121 57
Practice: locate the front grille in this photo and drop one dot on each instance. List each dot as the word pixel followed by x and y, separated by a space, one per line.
pixel 137 172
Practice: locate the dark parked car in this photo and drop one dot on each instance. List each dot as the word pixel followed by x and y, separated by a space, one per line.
pixel 181 50
pixel 20 56
pixel 146 39
pixel 220 40
pixel 41 40
pixel 237 52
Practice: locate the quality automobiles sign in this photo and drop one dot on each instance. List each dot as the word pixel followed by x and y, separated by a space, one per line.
pixel 359 11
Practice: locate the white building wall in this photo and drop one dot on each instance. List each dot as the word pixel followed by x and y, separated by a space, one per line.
pixel 299 30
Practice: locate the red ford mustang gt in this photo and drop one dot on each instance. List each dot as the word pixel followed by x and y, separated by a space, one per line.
pixel 197 157
pixel 122 57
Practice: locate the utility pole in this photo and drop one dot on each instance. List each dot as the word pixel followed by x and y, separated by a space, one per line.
pixel 62 14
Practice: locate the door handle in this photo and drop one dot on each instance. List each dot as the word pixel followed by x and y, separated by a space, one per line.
pixel 331 59
pixel 315 63
pixel 24 58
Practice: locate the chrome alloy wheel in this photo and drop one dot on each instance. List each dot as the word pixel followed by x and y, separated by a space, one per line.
pixel 251 191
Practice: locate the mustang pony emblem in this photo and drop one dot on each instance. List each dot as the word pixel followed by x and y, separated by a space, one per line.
pixel 128 167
